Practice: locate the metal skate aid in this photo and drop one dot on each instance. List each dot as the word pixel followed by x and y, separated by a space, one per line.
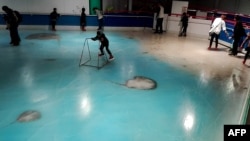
pixel 86 58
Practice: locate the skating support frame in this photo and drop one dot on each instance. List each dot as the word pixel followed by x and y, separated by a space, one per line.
pixel 85 63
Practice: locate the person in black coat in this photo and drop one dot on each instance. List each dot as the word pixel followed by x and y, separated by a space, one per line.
pixel 53 18
pixel 246 40
pixel 104 43
pixel 83 20
pixel 238 33
pixel 12 22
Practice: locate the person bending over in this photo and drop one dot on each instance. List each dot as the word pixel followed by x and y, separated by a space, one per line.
pixel 12 21
pixel 104 43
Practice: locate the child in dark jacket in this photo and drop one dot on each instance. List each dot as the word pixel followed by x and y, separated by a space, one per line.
pixel 83 20
pixel 104 43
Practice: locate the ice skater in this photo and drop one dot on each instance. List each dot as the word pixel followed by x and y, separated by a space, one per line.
pixel 247 39
pixel 238 34
pixel 184 25
pixel 218 25
pixel 13 19
pixel 100 18
pixel 160 16
pixel 53 18
pixel 104 43
pixel 83 20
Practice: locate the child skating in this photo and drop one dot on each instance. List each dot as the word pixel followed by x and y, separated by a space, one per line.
pixel 104 43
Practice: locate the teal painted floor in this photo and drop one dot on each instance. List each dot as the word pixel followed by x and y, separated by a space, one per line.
pixel 89 104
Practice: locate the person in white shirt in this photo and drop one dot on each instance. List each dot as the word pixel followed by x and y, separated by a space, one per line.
pixel 100 18
pixel 218 25
pixel 160 16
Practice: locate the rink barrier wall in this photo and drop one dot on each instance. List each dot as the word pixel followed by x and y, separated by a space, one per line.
pixel 198 27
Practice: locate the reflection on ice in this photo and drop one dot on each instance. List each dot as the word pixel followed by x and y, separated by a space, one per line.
pixel 86 105
pixel 204 77
pixel 27 76
pixel 189 122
